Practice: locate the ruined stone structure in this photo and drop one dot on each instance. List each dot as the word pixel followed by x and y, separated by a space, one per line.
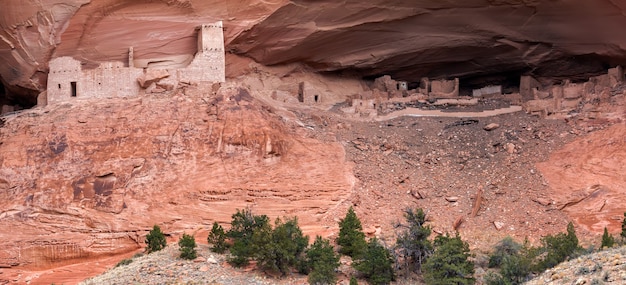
pixel 403 86
pixel 444 88
pixel 526 86
pixel 558 100
pixel 599 94
pixel 307 94
pixel 439 88
pixel 487 90
pixel 67 79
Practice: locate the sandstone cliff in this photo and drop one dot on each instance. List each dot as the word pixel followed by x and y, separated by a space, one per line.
pixel 407 39
pixel 78 183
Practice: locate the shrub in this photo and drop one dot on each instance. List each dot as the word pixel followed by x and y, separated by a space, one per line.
pixel 243 225
pixel 493 278
pixel 155 240
pixel 351 238
pixel 513 260
pixel 449 263
pixel 413 243
pixel 281 248
pixel 217 239
pixel 516 268
pixel 506 247
pixel 187 246
pixel 375 264
pixel 321 262
pixel 126 261
pixel 558 248
pixel 353 281
pixel 607 239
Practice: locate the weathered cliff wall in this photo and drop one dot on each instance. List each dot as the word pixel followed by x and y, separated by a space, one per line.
pixel 407 39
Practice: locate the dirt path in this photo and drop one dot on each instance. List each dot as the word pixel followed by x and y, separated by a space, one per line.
pixel 416 112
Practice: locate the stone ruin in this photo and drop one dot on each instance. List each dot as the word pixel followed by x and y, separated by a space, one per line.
pixel 67 79
pixel 535 99
pixel 308 94
pixel 442 88
pixel 597 95
pixel 490 90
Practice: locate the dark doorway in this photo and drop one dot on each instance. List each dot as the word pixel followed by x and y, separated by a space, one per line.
pixel 316 97
pixel 73 84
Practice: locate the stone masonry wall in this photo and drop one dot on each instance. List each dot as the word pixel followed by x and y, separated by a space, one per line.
pixel 67 79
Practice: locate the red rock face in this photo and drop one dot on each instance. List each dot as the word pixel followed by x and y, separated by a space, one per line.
pixel 77 183
pixel 407 39
pixel 587 179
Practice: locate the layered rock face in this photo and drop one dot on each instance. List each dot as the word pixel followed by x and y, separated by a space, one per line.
pixel 587 179
pixel 77 183
pixel 407 39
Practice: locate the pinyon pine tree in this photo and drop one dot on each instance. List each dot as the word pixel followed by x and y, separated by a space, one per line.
pixel 279 249
pixel 376 264
pixel 321 262
pixel 187 246
pixel 155 240
pixel 449 264
pixel 217 239
pixel 243 226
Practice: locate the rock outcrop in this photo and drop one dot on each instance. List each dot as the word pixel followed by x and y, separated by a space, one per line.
pixel 77 183
pixel 406 39
pixel 587 181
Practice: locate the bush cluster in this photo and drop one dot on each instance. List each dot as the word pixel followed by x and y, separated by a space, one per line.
pixel 516 262
pixel 279 248
pixel 282 247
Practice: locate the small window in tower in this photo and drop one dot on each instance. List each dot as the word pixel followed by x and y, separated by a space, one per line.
pixel 73 84
pixel 317 97
pixel 59 85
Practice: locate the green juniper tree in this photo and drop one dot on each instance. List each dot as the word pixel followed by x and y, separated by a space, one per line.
pixel 155 240
pixel 351 238
pixel 375 264
pixel 279 249
pixel 243 225
pixel 607 239
pixel 623 234
pixel 217 239
pixel 321 262
pixel 449 263
pixel 187 247
pixel 558 248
